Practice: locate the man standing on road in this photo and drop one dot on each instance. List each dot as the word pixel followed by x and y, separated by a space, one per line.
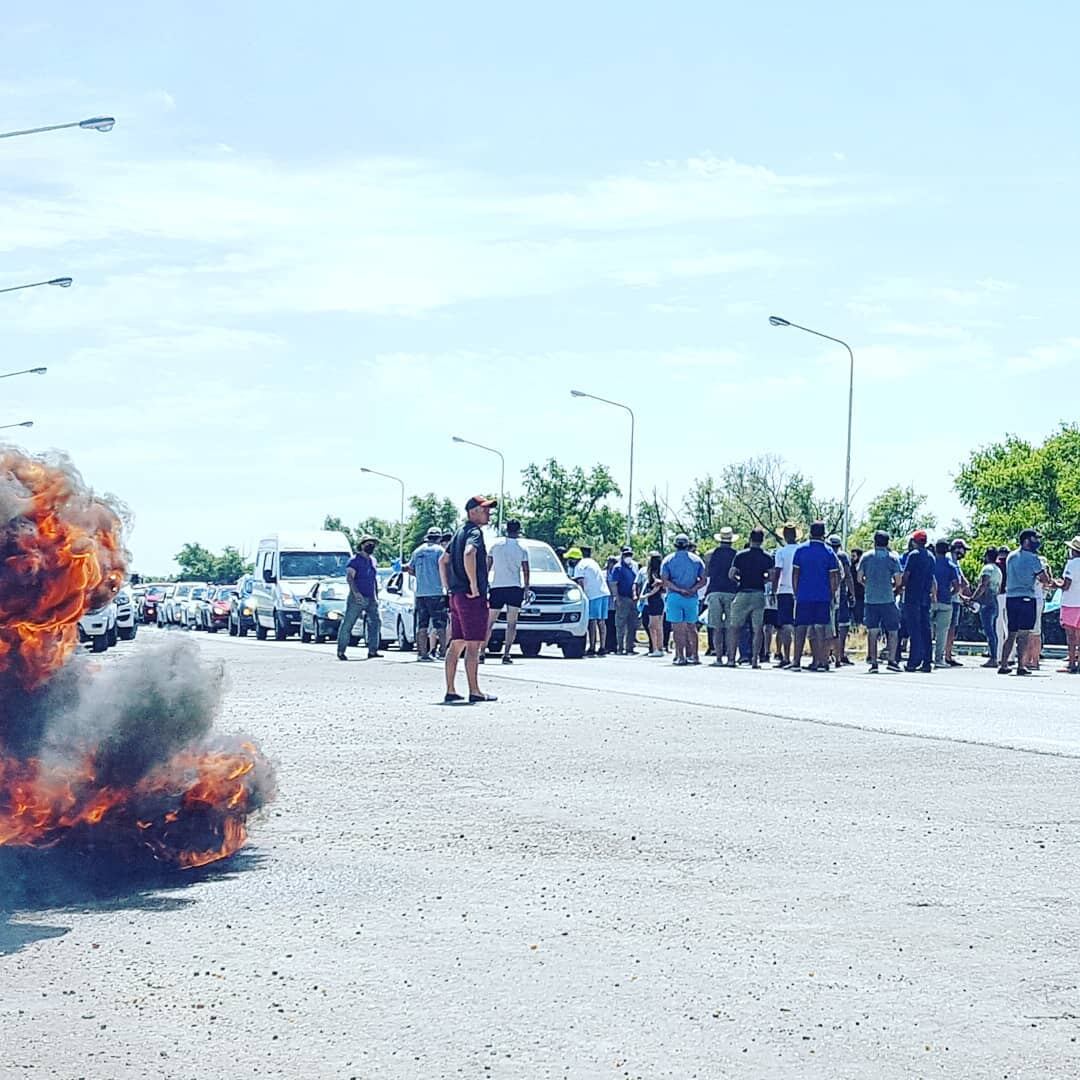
pixel 845 598
pixel 464 573
pixel 750 569
pixel 957 550
pixel 624 579
pixel 591 578
pixel 920 591
pixel 1024 573
pixel 815 578
pixel 508 565
pixel 431 606
pixel 783 562
pixel 986 596
pixel 946 586
pixel 881 576
pixel 720 591
pixel 363 599
pixel 683 574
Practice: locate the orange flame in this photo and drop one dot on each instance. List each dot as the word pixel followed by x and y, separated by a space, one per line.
pixel 61 554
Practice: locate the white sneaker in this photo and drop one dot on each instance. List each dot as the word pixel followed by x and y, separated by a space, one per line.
pixel 655 653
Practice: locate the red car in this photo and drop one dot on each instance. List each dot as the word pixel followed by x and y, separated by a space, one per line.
pixel 148 605
pixel 213 610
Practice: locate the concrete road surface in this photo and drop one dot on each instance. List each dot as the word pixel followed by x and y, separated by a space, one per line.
pixel 620 869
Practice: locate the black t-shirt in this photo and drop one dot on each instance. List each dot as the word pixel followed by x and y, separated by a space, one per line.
pixel 719 565
pixel 469 535
pixel 920 572
pixel 753 566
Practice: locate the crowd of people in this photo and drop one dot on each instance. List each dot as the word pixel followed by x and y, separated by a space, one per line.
pixel 759 606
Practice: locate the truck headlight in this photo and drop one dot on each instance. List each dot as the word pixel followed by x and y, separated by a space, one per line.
pixel 573 595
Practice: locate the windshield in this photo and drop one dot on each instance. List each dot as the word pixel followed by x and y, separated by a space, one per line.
pixel 305 564
pixel 156 590
pixel 543 559
pixel 198 594
pixel 224 592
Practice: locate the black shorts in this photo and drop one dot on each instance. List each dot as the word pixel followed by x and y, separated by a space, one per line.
pixel 785 609
pixel 770 616
pixel 510 596
pixel 1020 613
pixel 655 605
pixel 431 610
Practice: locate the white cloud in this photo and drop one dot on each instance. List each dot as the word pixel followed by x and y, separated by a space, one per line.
pixel 1044 357
pixel 924 330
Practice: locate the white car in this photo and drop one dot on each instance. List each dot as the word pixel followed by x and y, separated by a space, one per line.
pixel 555 610
pixel 168 610
pixel 126 624
pixel 99 627
pixel 187 609
pixel 397 611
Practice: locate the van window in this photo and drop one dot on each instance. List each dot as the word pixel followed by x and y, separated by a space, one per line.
pixel 306 564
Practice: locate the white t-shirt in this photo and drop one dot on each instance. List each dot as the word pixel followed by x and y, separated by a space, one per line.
pixel 1070 597
pixel 507 555
pixel 784 560
pixel 592 578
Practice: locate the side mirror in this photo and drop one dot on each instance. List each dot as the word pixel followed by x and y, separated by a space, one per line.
pixel 268 576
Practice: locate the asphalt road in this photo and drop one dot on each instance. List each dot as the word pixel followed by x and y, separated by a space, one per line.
pixel 619 869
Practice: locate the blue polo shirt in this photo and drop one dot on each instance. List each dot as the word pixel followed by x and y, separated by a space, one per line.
pixel 364 565
pixel 623 578
pixel 815 561
pixel 945 573
pixel 919 567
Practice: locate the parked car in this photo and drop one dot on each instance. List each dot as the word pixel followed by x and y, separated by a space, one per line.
pixel 212 612
pixel 397 611
pixel 187 606
pixel 242 607
pixel 321 610
pixel 554 612
pixel 286 566
pixel 99 627
pixel 126 625
pixel 152 596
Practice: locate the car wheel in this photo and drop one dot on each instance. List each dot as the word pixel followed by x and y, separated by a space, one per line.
pixel 241 629
pixel 318 635
pixel 260 630
pixel 127 633
pixel 233 628
pixel 529 648
pixel 574 650
pixel 281 630
pixel 305 636
pixel 100 643
pixel 111 637
pixel 403 642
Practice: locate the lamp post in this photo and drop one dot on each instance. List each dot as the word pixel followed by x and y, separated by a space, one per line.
pixel 401 519
pixel 62 282
pixel 95 123
pixel 23 423
pixel 775 320
pixel 25 371
pixel 502 473
pixel 630 491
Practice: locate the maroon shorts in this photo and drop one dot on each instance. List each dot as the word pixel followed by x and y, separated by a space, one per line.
pixel 468 617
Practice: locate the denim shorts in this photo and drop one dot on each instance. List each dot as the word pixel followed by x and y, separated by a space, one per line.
pixel 598 607
pixel 681 609
pixel 882 617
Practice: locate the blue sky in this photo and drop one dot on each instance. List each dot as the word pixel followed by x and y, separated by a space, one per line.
pixel 331 236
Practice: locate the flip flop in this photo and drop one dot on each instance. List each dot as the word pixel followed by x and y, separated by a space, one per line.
pixel 475 699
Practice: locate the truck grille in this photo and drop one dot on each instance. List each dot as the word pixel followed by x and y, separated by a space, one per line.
pixel 550 594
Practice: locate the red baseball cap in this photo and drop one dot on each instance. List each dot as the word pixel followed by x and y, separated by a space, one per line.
pixel 919 536
pixel 481 500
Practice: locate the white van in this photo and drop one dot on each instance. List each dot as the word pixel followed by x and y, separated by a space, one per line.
pixel 286 566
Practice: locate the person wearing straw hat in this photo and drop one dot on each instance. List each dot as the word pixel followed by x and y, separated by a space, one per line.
pixel 720 591
pixel 1070 606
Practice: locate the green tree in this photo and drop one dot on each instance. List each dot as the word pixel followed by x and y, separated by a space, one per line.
pixel 231 565
pixel 1014 485
pixel 565 506
pixel 386 532
pixel 897 510
pixel 198 563
pixel 427 511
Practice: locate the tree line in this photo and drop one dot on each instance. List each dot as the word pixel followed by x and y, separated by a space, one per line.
pixel 1005 486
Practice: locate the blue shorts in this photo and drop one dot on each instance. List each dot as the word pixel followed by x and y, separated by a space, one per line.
pixel 813 613
pixel 679 609
pixel 598 608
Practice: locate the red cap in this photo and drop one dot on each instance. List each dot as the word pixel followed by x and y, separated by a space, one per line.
pixel 480 500
pixel 919 536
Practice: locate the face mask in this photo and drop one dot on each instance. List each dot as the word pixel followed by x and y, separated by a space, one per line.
pixel 1035 544
pixel 369 548
pixel 628 559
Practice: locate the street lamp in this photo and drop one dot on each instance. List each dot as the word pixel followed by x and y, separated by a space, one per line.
pixel 63 282
pixel 502 473
pixel 25 371
pixel 24 423
pixel 630 492
pixel 95 123
pixel 401 520
pixel 775 320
